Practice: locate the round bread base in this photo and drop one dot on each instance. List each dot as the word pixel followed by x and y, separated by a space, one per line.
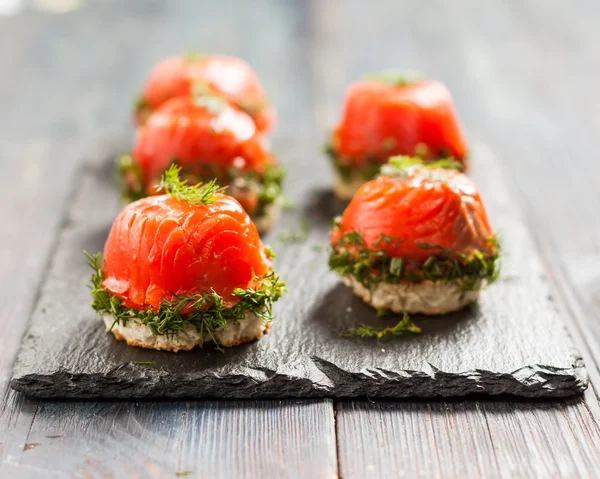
pixel 427 297
pixel 137 334
pixel 265 221
pixel 345 188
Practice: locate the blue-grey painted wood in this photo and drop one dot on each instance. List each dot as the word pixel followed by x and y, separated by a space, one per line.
pixel 270 439
pixel 467 439
pixel 525 78
pixel 62 76
pixel 510 69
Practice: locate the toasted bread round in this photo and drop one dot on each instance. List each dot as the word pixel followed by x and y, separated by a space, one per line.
pixel 265 222
pixel 137 334
pixel 345 188
pixel 427 297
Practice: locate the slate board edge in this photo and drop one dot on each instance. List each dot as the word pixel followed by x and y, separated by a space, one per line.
pixel 153 383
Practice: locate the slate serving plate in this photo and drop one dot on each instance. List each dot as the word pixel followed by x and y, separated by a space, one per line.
pixel 512 342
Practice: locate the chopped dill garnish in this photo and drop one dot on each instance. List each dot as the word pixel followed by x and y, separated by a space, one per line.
pixel 396 77
pixel 145 363
pixel 371 266
pixel 402 166
pixel 373 163
pixel 129 175
pixel 195 194
pixel 140 104
pixel 296 236
pixel 200 88
pixel 207 311
pixel 404 326
pixel 269 252
pixel 194 55
pixel 211 103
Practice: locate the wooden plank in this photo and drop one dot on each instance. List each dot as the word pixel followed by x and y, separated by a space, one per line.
pixel 498 67
pixel 270 439
pixel 467 439
pixel 30 222
pixel 71 67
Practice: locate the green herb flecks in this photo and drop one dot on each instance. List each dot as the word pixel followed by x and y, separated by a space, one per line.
pixel 211 103
pixel 200 88
pixel 205 311
pixel 296 236
pixel 404 326
pixel 140 105
pixel 404 166
pixel 194 194
pixel 194 55
pixel 251 106
pixel 145 363
pixel 371 266
pixel 270 188
pixel 267 186
pixel 183 473
pixel 367 170
pixel 373 163
pixel 396 77
pixel 129 176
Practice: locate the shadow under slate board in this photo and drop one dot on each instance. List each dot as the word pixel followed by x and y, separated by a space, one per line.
pixel 511 342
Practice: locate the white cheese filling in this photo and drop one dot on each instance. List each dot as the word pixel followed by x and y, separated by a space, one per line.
pixel 138 334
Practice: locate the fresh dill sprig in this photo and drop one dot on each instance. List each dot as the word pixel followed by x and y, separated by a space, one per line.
pixel 207 311
pixel 351 257
pixel 194 194
pixel 404 326
pixel 396 77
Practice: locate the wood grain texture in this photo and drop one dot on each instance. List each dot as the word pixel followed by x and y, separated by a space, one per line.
pixel 524 75
pixel 466 439
pixel 497 60
pixel 67 64
pixel 270 439
pixel 29 225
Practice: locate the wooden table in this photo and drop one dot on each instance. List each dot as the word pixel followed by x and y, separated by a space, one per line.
pixel 525 76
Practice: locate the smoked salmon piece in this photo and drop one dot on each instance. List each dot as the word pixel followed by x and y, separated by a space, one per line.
pixel 194 74
pixel 387 115
pixel 208 138
pixel 189 264
pixel 420 226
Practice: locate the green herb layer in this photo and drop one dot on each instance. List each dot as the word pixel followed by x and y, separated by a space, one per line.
pixel 208 311
pixel 372 165
pixel 370 267
pixel 269 184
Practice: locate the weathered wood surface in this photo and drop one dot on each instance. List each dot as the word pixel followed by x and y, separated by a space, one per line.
pixel 525 78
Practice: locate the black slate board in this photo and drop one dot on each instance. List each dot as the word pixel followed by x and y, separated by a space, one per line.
pixel 512 342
